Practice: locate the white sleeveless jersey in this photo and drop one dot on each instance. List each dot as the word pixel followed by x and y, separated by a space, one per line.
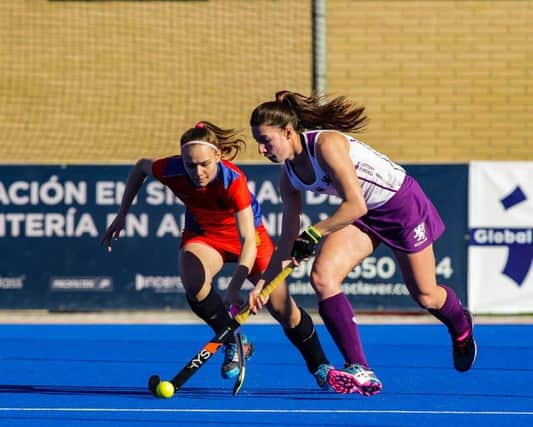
pixel 379 177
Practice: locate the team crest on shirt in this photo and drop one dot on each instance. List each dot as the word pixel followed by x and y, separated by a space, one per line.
pixel 420 234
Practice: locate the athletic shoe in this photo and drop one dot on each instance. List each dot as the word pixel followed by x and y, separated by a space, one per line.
pixel 321 376
pixel 465 348
pixel 354 378
pixel 230 365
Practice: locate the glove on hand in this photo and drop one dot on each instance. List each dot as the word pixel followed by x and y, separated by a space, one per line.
pixel 305 245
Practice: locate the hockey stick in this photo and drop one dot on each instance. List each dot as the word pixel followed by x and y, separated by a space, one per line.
pixel 234 309
pixel 242 364
pixel 209 349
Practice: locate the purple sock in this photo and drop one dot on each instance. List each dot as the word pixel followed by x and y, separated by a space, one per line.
pixel 452 314
pixel 338 317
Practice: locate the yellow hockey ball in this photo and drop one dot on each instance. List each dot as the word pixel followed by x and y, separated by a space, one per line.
pixel 165 389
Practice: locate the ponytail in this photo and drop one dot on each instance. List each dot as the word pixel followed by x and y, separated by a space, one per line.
pixel 308 113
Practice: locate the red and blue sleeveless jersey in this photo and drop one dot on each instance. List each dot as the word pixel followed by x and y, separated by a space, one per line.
pixel 211 209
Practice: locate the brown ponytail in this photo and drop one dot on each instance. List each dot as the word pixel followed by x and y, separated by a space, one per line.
pixel 307 113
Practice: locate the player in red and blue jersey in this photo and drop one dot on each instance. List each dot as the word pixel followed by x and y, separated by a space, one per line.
pixel 223 223
pixel 212 208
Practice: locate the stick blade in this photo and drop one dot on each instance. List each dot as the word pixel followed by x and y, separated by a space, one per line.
pixel 153 382
pixel 240 381
pixel 242 364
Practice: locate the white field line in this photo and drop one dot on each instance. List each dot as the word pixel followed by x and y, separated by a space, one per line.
pixel 266 411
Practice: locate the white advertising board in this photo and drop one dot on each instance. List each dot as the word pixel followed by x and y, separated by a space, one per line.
pixel 500 218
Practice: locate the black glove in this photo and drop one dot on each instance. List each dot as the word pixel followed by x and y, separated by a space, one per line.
pixel 305 245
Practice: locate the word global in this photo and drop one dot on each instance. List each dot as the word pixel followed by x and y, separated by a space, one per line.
pixel 507 236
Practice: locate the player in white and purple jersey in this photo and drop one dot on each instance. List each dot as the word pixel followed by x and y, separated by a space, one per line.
pixel 379 204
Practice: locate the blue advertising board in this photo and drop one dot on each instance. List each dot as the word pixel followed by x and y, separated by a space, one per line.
pixel 52 218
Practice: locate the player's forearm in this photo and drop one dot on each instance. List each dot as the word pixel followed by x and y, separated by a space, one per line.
pixel 346 214
pixel 289 231
pixel 245 262
pixel 248 252
pixel 239 276
pixel 134 183
pixel 280 258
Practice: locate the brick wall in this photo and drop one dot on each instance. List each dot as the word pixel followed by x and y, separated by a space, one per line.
pixel 443 81
pixel 111 81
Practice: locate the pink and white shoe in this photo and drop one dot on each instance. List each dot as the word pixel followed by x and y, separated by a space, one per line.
pixel 354 378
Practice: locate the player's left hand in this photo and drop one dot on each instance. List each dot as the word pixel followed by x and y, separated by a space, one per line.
pixel 305 245
pixel 233 297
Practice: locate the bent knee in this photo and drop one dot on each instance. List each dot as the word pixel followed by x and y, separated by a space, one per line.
pixel 287 315
pixel 324 284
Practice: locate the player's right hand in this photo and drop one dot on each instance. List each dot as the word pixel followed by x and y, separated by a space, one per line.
pixel 255 300
pixel 113 231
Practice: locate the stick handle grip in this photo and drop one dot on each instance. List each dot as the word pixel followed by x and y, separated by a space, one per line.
pixel 245 312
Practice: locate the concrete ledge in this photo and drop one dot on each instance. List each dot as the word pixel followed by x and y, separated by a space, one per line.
pixel 184 316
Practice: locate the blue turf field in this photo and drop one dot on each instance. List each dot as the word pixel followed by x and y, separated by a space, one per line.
pixel 95 375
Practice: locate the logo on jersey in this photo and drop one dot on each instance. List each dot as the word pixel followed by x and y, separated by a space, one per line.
pixel 420 234
pixel 519 241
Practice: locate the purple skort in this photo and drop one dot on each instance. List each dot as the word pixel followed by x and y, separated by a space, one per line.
pixel 408 222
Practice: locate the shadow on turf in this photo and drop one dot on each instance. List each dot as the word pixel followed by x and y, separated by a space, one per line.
pixel 210 393
pixel 189 392
pixel 55 389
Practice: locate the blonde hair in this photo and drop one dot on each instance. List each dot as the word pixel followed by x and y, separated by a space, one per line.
pixel 228 141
